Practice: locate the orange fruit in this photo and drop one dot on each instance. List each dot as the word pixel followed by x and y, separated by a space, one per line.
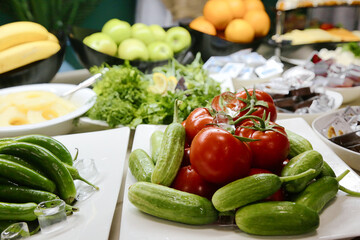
pixel 259 20
pixel 237 8
pixel 240 31
pixel 254 5
pixel 218 12
pixel 202 25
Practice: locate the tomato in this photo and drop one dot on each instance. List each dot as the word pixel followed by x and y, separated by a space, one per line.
pixel 261 101
pixel 278 195
pixel 188 180
pixel 272 145
pixel 218 156
pixel 186 157
pixel 197 120
pixel 326 26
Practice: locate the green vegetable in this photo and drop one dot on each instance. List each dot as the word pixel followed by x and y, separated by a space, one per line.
pixel 47 162
pixel 301 163
pixel 250 189
pixel 318 193
pixel 352 47
pixel 277 219
pixel 155 144
pixel 171 204
pixel 17 211
pixel 141 165
pixel 298 144
pixel 19 174
pixel 123 98
pixel 326 171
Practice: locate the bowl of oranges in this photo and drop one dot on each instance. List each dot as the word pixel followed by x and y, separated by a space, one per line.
pixel 227 26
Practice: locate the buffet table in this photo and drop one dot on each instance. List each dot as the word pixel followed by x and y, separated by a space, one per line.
pixel 75 77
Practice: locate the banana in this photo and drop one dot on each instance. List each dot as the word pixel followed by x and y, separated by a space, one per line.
pixel 52 37
pixel 26 53
pixel 15 33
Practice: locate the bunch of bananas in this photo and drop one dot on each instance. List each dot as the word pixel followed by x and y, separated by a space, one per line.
pixel 24 42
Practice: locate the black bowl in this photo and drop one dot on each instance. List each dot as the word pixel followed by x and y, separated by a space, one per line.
pixel 37 72
pixel 209 45
pixel 89 57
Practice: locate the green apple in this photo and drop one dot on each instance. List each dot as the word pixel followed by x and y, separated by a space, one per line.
pixel 178 38
pixel 159 50
pixel 142 32
pixel 101 42
pixel 158 32
pixel 117 29
pixel 133 49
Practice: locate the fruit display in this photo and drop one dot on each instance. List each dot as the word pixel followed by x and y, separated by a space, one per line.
pixel 35 169
pixel 231 164
pixel 139 41
pixel 239 21
pixel 24 42
pixel 284 5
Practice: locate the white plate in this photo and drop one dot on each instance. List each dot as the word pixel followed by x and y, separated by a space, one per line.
pixel 338 100
pixel 339 220
pixel 108 149
pixel 83 99
pixel 349 93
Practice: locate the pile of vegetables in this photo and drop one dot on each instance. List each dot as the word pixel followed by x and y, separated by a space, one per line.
pixel 124 98
pixel 33 169
pixel 234 160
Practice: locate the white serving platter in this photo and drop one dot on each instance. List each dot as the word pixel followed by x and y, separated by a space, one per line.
pixel 339 220
pixel 108 148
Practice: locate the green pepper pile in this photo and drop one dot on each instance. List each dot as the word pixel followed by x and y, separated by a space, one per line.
pixel 34 168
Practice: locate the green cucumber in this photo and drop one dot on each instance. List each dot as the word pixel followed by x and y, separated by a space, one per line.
pixel 310 159
pixel 250 189
pixel 276 219
pixel 155 144
pixel 141 165
pixel 171 204
pixel 318 193
pixel 170 154
pixel 298 144
pixel 326 171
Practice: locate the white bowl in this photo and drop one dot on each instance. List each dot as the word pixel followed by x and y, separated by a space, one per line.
pixel 350 157
pixel 83 99
pixel 349 93
pixel 309 118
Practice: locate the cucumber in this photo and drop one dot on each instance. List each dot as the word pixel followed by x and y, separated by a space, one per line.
pixel 170 154
pixel 141 165
pixel 298 144
pixel 300 163
pixel 250 189
pixel 276 219
pixel 318 193
pixel 171 204
pixel 326 171
pixel 155 144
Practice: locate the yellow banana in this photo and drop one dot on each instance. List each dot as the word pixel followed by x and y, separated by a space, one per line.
pixel 52 37
pixel 12 34
pixel 26 53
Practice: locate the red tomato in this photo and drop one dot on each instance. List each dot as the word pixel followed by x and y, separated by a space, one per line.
pixel 278 195
pixel 186 157
pixel 262 101
pixel 188 180
pixel 197 120
pixel 218 156
pixel 272 146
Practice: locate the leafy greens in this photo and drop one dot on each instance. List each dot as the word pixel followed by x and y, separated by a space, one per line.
pixel 123 97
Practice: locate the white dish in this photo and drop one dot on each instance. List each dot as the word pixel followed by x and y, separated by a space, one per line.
pixel 108 149
pixel 349 93
pixel 339 220
pixel 352 158
pixel 83 99
pixel 338 100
